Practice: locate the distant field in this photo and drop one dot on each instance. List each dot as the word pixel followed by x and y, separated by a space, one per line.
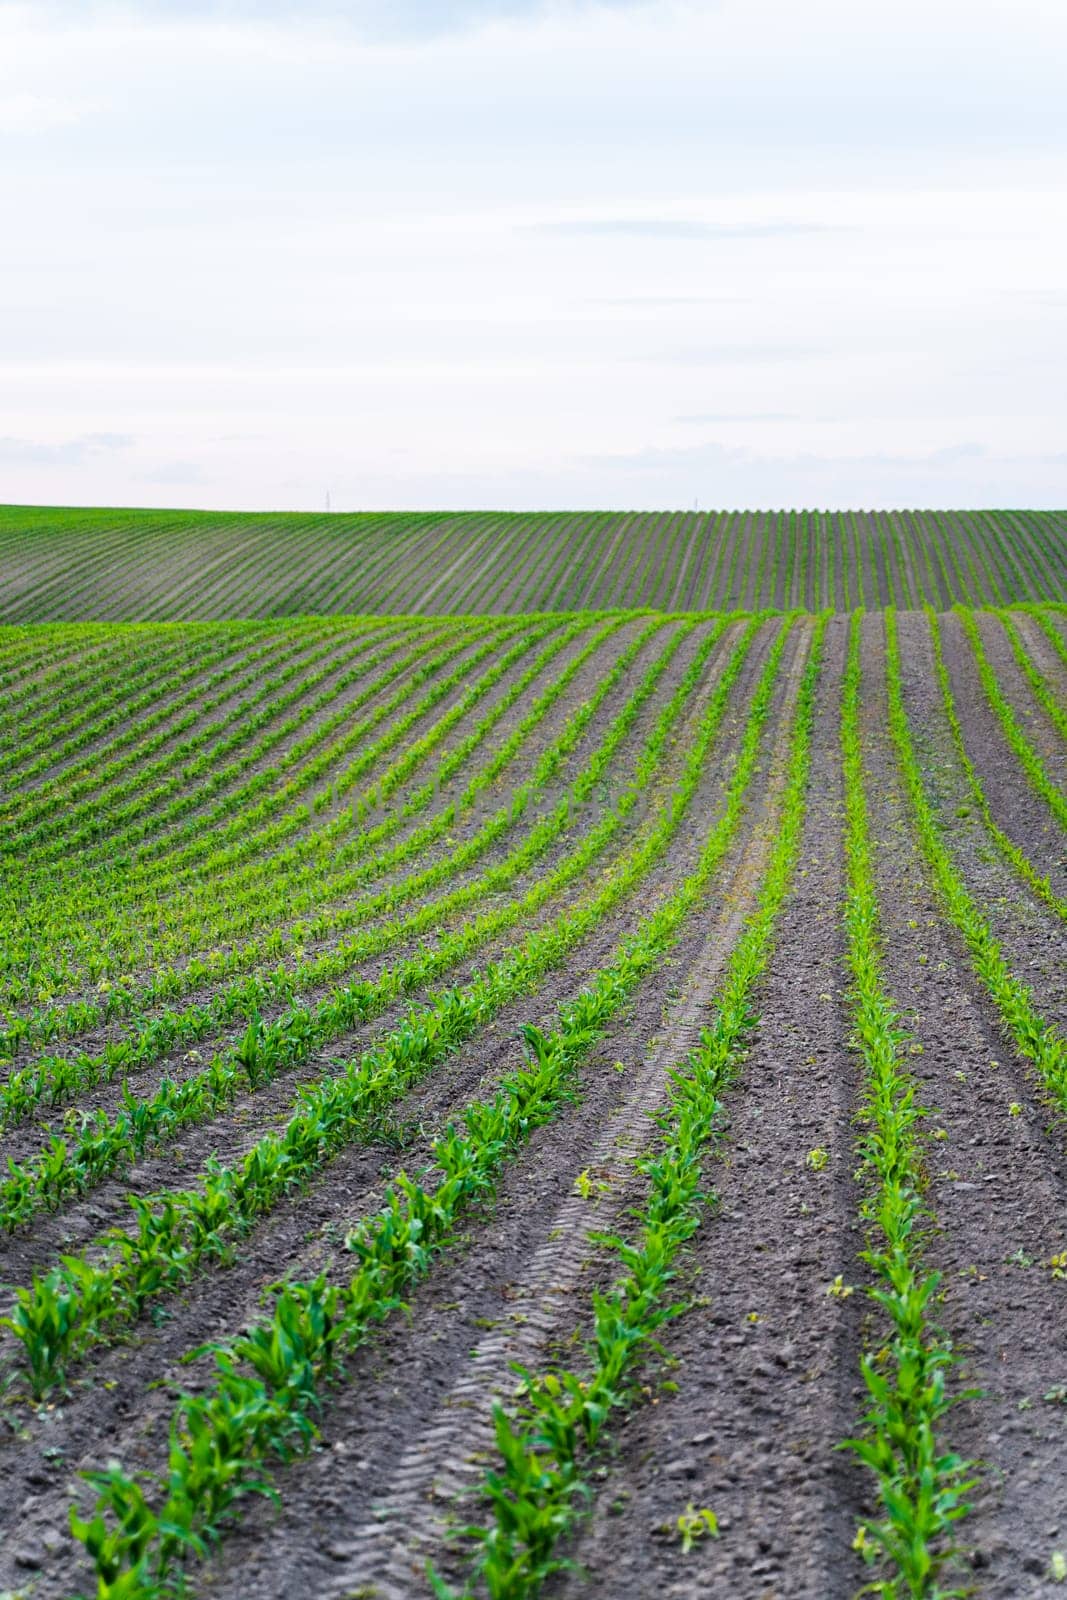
pixel 66 565
pixel 382 996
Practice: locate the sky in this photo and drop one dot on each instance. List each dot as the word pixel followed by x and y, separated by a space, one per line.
pixel 500 253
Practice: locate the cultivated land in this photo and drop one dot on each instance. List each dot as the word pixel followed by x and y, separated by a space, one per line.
pixel 516 966
pixel 140 566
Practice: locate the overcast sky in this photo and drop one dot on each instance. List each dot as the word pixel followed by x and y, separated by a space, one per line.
pixel 501 253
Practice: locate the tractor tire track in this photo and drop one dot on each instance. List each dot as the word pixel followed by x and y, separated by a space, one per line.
pixel 441 1463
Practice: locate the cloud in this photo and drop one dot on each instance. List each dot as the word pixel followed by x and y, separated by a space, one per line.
pixel 341 230
pixel 63 452
pixel 711 452
pixel 376 19
pixel 734 352
pixel 181 474
pixel 660 302
pixel 737 416
pixel 37 113
pixel 674 228
pixel 950 454
pixel 959 476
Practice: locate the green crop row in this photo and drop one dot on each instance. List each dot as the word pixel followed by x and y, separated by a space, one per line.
pixel 169 982
pixel 1049 629
pixel 55 1078
pixel 1043 692
pixel 1028 757
pixel 96 777
pixel 325 850
pixel 1036 1040
pixel 90 712
pixel 125 827
pixel 71 1305
pixel 1007 847
pixel 462 564
pixel 195 908
pixel 109 796
pixel 539 1487
pixel 268 1384
pixel 921 1485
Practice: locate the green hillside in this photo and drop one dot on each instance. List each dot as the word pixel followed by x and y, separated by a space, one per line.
pixel 69 565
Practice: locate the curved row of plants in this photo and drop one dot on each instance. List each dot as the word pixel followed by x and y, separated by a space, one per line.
pixel 267 684
pixel 241 862
pixel 168 983
pixel 1011 852
pixel 1043 618
pixel 69 1307
pixel 264 677
pixel 217 880
pixel 101 1144
pixel 541 1482
pixel 268 1384
pixel 350 752
pixel 1031 1036
pixel 146 681
pixel 1022 747
pixel 95 703
pixel 1044 694
pixel 165 887
pixel 167 980
pixel 156 566
pixel 140 812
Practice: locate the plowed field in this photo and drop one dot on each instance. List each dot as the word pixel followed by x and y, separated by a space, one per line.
pixel 535 1101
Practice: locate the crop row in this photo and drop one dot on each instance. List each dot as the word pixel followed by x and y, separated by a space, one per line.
pixel 1007 846
pixel 258 853
pixel 1022 747
pixel 351 865
pixel 540 1483
pixel 54 1078
pixel 97 796
pixel 270 565
pixel 266 1387
pixel 1034 1038
pixel 182 1228
pixel 217 845
pixel 921 1486
pixel 320 866
pixel 113 818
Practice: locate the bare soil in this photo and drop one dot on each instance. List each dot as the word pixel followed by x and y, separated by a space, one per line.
pixel 758 1382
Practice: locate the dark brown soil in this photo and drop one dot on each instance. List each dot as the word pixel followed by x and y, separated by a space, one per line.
pixel 1042 652
pixel 1017 808
pixel 1032 717
pixel 761 1404
pixel 462 1075
pixel 280 1238
pixel 759 1380
pixel 1032 937
pixel 999 1195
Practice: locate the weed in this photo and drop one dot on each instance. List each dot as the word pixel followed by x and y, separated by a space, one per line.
pixel 693 1525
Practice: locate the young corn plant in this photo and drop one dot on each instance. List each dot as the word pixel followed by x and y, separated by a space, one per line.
pixel 921 1485
pixel 1007 847
pixel 331 1112
pixel 57 1078
pixel 242 1422
pixel 1023 749
pixel 540 1484
pixel 1034 1039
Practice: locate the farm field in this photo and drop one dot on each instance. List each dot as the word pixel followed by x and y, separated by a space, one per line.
pixel 158 566
pixel 507 1087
